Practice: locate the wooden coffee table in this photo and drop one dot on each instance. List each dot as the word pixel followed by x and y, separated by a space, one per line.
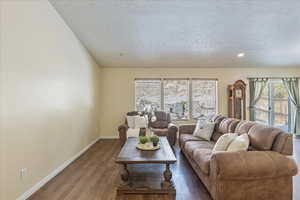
pixel 145 183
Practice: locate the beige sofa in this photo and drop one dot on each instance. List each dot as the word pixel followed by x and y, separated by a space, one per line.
pixel 262 173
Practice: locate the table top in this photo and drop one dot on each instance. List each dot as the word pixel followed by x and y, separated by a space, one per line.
pixel 131 155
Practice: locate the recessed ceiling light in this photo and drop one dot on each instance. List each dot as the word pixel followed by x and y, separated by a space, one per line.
pixel 241 55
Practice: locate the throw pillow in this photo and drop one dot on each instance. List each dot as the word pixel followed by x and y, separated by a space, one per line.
pixel 240 143
pixel 140 122
pixel 133 132
pixel 204 131
pixel 199 124
pixel 130 121
pixel 224 141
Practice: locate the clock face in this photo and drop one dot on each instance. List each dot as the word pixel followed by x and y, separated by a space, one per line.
pixel 238 93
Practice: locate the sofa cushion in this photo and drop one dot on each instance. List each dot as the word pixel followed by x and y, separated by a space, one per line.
pixel 243 127
pixel 213 117
pixel 216 135
pixel 159 124
pixel 162 116
pixel 191 146
pixel 217 119
pixel 202 158
pixel 232 125
pixel 262 136
pixel 251 148
pixel 188 137
pixel 227 125
pixel 160 131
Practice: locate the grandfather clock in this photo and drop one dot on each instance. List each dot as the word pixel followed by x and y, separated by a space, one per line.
pixel 237 100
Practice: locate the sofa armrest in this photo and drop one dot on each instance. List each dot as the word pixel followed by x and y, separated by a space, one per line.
pixel 172 126
pixel 251 165
pixel 187 128
pixel 172 133
pixel 123 133
pixel 123 127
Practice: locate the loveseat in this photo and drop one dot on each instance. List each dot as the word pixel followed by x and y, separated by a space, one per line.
pixel 162 126
pixel 264 172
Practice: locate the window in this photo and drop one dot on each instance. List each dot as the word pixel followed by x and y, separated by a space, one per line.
pixel 203 98
pixel 273 107
pixel 182 98
pixel 147 94
pixel 176 98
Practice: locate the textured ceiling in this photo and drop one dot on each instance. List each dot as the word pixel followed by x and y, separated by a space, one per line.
pixel 187 33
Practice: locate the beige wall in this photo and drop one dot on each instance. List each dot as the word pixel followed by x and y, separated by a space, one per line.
pixel 118 88
pixel 49 94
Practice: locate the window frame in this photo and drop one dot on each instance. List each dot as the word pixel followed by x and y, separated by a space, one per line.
pixel 189 92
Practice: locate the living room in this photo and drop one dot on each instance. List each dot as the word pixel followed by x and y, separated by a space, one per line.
pixel 78 76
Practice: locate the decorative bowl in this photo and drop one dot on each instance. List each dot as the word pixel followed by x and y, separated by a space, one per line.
pixel 147 147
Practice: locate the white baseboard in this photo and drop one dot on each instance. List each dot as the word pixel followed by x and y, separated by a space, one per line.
pixel 40 184
pixel 109 137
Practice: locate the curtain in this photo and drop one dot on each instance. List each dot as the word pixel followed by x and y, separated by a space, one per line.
pixel 256 86
pixel 292 86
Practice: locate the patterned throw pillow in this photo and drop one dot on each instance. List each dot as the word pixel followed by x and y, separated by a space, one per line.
pixel 130 121
pixel 240 143
pixel 204 129
pixel 200 124
pixel 140 122
pixel 224 141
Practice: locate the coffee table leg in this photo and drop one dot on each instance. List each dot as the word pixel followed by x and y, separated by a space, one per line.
pixel 125 175
pixel 167 183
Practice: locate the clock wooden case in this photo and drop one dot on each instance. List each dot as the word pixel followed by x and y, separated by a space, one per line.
pixel 237 100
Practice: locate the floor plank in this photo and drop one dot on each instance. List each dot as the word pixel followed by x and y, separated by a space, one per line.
pixel 95 176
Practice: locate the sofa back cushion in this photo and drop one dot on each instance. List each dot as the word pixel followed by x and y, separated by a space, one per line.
pixel 162 120
pixel 162 116
pixel 215 136
pixel 244 127
pixel 159 124
pixel 227 125
pixel 262 137
pixel 217 119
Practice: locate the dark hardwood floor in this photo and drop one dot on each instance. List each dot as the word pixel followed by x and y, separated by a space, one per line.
pixel 95 176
